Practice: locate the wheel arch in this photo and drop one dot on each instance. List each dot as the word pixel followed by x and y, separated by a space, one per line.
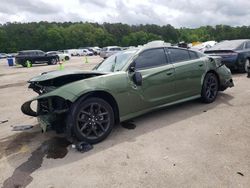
pixel 215 73
pixel 105 96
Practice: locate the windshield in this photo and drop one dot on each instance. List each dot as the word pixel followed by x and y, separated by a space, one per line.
pixel 115 62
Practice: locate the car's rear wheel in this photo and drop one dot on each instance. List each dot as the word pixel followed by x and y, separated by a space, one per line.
pixel 53 61
pixel 210 88
pixel 93 120
pixel 66 58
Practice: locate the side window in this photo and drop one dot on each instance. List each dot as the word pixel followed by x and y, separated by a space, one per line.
pixel 247 46
pixel 193 55
pixel 178 55
pixel 40 53
pixel 151 58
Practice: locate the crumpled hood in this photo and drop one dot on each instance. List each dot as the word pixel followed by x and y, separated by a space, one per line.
pixel 55 74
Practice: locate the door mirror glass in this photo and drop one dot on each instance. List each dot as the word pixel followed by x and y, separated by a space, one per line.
pixel 137 78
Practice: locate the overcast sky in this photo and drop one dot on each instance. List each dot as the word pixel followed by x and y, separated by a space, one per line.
pixel 179 13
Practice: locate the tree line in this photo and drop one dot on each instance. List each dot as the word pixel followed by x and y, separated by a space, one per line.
pixel 58 36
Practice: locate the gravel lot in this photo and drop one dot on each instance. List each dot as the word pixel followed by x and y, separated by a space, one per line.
pixel 187 145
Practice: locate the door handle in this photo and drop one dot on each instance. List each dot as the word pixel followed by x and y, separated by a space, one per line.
pixel 169 72
pixel 200 65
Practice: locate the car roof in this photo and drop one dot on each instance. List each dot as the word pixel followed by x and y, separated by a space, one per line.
pixel 30 51
pixel 228 44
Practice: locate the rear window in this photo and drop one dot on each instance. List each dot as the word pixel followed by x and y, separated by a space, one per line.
pixel 26 53
pixel 178 55
pixel 115 49
pixel 193 55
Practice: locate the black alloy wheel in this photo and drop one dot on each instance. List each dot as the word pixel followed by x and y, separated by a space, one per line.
pixel 210 88
pixel 93 120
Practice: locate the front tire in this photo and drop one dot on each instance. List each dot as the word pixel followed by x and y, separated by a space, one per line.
pixel 210 88
pixel 246 65
pixel 93 120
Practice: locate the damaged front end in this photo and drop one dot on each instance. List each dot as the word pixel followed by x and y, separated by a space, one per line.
pixel 53 102
pixel 51 112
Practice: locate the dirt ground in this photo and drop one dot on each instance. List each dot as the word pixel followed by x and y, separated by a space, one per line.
pixel 187 145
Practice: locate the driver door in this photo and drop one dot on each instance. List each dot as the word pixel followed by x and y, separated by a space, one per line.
pixel 157 80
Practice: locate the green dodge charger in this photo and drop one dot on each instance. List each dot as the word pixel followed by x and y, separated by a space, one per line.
pixel 87 104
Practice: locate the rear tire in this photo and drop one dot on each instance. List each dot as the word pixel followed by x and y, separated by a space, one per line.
pixel 66 58
pixel 53 61
pixel 92 119
pixel 210 88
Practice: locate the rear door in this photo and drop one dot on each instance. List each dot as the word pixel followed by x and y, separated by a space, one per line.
pixel 189 68
pixel 41 56
pixel 157 80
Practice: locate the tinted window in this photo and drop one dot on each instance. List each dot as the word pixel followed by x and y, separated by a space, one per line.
pixel 151 58
pixel 247 45
pixel 115 49
pixel 178 55
pixel 193 55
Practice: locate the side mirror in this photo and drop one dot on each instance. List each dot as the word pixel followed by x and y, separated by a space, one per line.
pixel 137 78
pixel 132 67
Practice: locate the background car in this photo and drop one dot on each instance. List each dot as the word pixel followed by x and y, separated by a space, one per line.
pixel 204 46
pixel 35 57
pixel 109 50
pixel 72 52
pixel 3 55
pixel 87 52
pixel 61 55
pixel 125 85
pixel 235 53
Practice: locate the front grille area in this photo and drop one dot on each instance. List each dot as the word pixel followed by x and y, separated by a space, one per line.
pixel 52 105
pixel 44 106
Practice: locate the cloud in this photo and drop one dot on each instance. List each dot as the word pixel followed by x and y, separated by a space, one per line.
pixel 181 13
pixel 30 6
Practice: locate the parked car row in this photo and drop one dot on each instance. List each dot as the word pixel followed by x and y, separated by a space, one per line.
pixel 83 51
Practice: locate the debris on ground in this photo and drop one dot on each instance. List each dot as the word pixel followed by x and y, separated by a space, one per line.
pixel 240 173
pixel 82 147
pixel 22 127
pixel 4 121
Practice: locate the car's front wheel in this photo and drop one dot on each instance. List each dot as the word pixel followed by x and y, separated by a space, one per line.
pixel 93 120
pixel 247 64
pixel 210 88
